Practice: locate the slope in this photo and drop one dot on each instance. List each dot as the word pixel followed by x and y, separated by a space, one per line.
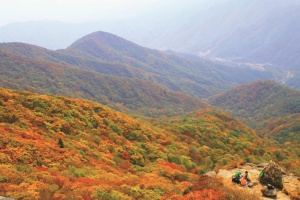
pixel 179 72
pixel 257 102
pixel 213 141
pixel 61 148
pixel 271 109
pixel 130 95
pixel 110 54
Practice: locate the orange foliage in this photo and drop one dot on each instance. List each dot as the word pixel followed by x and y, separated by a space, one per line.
pixel 105 151
pixel 169 166
pixel 246 151
pixel 206 194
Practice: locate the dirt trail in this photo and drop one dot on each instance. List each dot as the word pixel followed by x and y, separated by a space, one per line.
pixel 291 183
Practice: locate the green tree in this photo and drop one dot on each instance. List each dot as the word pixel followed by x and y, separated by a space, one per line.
pixel 61 143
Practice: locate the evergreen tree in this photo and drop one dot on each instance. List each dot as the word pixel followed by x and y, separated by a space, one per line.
pixel 61 143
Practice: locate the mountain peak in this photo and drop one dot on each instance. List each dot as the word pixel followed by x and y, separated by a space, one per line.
pixel 102 45
pixel 99 36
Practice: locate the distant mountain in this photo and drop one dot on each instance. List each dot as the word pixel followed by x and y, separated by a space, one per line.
pixel 243 31
pixel 258 101
pixel 109 54
pixel 131 95
pixel 271 109
pixel 48 34
pixel 57 147
pixel 252 31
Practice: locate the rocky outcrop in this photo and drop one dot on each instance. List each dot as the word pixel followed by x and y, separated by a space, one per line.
pixel 291 186
pixel 272 175
pixel 269 192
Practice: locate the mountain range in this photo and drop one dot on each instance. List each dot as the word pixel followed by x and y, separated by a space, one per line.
pixel 111 70
pixel 185 115
pixel 254 34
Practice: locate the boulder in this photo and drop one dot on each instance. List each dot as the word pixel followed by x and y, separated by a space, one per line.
pixel 272 175
pixel 269 192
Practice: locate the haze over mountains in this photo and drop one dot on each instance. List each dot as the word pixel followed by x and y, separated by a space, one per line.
pixel 254 34
pixel 242 31
pixel 108 54
pixel 142 110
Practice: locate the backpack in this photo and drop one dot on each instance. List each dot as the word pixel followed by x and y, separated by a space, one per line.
pixel 261 174
pixel 244 182
pixel 238 174
pixel 249 176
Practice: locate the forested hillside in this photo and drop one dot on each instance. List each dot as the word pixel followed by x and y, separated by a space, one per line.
pixel 272 110
pixel 109 54
pixel 127 94
pixel 61 148
pixel 101 117
pixel 257 102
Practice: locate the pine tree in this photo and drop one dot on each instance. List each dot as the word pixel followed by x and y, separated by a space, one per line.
pixel 61 143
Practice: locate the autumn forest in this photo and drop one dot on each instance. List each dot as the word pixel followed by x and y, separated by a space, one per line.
pixel 108 119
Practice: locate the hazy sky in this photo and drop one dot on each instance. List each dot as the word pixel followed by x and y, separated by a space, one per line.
pixel 70 10
pixel 81 10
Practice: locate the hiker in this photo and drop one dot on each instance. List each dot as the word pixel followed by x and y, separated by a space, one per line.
pixel 246 180
pixel 236 177
pixel 247 176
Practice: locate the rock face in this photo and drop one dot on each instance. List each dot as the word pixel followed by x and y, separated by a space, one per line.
pixel 269 192
pixel 272 175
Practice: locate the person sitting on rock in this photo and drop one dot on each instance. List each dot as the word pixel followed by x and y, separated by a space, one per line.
pixel 247 176
pixel 246 180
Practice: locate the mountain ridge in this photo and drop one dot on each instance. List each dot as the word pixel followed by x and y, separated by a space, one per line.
pixel 193 76
pixel 42 76
pixel 271 109
pixel 245 31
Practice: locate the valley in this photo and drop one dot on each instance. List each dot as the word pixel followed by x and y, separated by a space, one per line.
pixel 170 112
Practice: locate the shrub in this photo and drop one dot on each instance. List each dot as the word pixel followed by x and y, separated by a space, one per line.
pixel 105 195
pixel 216 186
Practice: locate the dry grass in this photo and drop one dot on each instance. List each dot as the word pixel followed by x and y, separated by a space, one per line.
pixel 230 193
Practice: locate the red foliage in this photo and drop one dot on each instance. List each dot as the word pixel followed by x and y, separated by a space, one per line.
pixel 60 181
pixel 206 194
pixel 125 165
pixel 86 197
pixel 53 173
pixel 88 182
pixel 169 166
pixel 93 161
pixel 41 169
pixel 3 187
pixel 125 155
pixel 246 151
